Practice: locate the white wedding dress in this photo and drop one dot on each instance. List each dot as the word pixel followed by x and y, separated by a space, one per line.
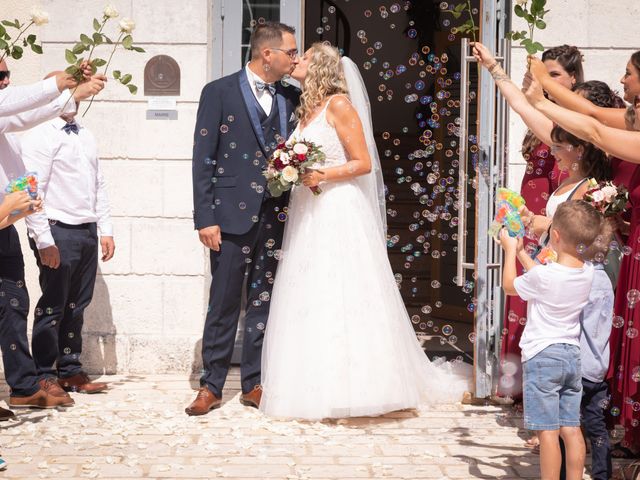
pixel 339 342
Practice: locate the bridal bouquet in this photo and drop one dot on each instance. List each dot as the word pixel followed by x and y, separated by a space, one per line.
pixel 607 198
pixel 289 162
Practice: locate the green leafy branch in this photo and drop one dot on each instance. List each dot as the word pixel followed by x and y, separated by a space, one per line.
pixel 126 40
pixel 534 16
pixel 12 48
pixel 470 25
pixel 89 43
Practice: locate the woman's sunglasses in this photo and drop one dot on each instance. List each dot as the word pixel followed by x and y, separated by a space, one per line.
pixel 4 74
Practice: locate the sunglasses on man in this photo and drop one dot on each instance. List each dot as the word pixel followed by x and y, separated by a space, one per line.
pixel 4 74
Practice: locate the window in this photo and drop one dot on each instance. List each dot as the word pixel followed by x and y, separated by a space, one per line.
pixel 255 12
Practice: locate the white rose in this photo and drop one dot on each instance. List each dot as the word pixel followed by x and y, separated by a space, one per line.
pixel 284 158
pixel 110 11
pixel 290 174
pixel 39 17
pixel 597 196
pixel 127 25
pixel 609 192
pixel 300 149
pixel 277 153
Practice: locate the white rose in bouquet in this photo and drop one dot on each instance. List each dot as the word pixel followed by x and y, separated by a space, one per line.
pixel 300 149
pixel 597 196
pixel 39 17
pixel 284 158
pixel 110 11
pixel 609 192
pixel 289 174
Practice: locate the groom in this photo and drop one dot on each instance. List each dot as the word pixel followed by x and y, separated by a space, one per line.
pixel 241 119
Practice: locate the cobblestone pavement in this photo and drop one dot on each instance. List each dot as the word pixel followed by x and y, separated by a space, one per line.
pixel 139 430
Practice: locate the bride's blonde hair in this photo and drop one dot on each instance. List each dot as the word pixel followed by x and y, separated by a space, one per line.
pixel 325 77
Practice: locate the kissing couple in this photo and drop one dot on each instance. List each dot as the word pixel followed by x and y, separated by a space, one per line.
pixel 328 336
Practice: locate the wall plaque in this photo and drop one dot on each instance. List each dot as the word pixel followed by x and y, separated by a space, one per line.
pixel 162 77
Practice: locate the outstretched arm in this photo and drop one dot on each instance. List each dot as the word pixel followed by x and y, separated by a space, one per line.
pixel 540 125
pixel 623 144
pixel 613 117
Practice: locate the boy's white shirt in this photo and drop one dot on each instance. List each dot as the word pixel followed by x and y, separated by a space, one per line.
pixel 555 296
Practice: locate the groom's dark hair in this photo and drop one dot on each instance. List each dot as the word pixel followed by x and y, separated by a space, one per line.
pixel 268 33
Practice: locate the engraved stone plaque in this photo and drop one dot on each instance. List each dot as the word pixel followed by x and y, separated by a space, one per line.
pixel 162 77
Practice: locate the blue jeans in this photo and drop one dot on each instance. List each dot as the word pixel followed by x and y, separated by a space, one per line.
pixel 552 388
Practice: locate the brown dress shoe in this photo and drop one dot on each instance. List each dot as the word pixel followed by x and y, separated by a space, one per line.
pixel 40 399
pixel 6 414
pixel 205 402
pixel 252 399
pixel 52 387
pixel 81 383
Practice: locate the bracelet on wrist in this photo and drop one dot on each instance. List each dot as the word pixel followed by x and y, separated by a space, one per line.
pixel 493 66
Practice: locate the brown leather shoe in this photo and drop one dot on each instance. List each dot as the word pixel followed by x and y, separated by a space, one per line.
pixel 205 402
pixel 52 387
pixel 252 399
pixel 40 399
pixel 81 383
pixel 6 414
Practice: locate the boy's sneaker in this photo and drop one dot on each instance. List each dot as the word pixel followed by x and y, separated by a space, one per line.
pixel 40 399
pixel 3 464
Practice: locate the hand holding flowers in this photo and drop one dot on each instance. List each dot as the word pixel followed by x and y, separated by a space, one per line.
pixel 89 43
pixel 289 165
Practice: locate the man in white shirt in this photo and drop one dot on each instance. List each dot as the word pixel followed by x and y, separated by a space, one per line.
pixel 65 241
pixel 20 109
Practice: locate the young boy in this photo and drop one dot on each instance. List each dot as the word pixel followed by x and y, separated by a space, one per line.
pixel 556 294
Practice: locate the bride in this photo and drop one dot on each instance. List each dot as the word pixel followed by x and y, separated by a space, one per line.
pixel 339 342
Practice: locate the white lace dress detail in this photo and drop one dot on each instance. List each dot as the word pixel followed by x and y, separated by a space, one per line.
pixel 339 342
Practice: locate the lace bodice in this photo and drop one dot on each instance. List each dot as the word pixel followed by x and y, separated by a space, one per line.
pixel 320 132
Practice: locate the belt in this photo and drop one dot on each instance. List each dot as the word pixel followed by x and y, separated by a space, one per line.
pixel 80 226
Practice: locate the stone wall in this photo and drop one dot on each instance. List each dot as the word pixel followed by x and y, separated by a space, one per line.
pixel 606 33
pixel 149 304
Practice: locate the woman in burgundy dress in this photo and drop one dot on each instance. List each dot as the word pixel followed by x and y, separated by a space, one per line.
pixel 625 347
pixel 625 350
pixel 564 65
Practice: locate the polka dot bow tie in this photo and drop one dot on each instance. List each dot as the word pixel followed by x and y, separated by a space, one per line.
pixel 71 127
pixel 260 86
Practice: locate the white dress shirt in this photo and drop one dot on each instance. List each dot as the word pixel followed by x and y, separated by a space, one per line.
pixel 15 100
pixel 69 179
pixel 11 165
pixel 265 99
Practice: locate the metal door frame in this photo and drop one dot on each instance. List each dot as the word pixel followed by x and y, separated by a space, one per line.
pixel 490 173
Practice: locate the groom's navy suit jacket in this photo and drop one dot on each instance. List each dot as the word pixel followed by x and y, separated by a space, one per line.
pixel 230 152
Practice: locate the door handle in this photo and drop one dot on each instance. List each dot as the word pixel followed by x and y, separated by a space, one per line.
pixel 462 264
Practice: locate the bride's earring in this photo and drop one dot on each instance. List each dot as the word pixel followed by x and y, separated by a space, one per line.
pixel 266 67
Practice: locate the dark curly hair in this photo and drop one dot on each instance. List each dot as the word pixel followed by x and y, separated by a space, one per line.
pixel 594 163
pixel 571 60
pixel 569 57
pixel 599 93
